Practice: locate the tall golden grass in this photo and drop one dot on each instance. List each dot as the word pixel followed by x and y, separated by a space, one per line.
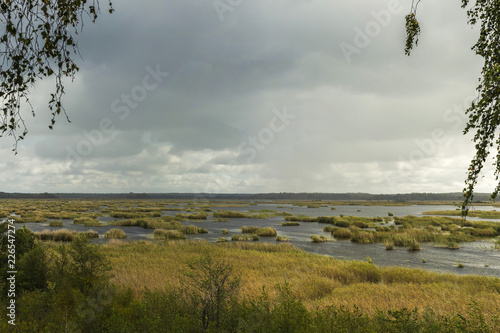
pixel 317 280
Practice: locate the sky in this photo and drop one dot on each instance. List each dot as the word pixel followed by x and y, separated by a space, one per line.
pixel 226 96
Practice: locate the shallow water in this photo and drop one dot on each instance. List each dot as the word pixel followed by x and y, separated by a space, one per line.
pixel 474 256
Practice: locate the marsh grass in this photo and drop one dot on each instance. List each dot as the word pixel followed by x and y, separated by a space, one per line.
pixel 193 230
pixel 92 234
pixel 267 232
pixel 55 223
pixel 229 214
pixel 149 223
pixel 319 239
pixel 85 220
pixel 60 235
pixel 341 233
pixel 241 238
pixel 168 234
pixel 225 231
pixel 291 223
pixel 263 232
pixel 132 215
pixel 496 243
pixel 485 214
pixel 413 246
pixel 115 233
pixel 280 238
pixel 93 224
pixel 328 228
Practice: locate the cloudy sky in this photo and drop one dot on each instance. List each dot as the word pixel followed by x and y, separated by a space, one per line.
pixel 258 96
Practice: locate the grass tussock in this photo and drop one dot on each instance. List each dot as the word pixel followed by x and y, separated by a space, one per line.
pixel 55 223
pixel 341 233
pixel 319 239
pixel 229 214
pixel 193 230
pixel 85 221
pixel 291 223
pixel 168 234
pixel 115 233
pixel 280 238
pixel 263 232
pixel 63 235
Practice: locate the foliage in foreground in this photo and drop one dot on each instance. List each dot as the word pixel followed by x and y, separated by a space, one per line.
pixel 67 288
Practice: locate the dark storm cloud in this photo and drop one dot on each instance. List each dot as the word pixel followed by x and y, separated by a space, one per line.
pixel 355 119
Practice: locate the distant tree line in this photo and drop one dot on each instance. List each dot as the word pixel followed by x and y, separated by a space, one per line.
pixel 404 197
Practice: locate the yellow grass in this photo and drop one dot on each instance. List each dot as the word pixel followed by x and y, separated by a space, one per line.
pixel 318 280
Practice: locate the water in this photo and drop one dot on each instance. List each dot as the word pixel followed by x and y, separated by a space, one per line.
pixel 477 257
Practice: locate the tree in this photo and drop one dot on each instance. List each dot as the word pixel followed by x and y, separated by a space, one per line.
pixel 484 112
pixel 38 42
pixel 213 290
